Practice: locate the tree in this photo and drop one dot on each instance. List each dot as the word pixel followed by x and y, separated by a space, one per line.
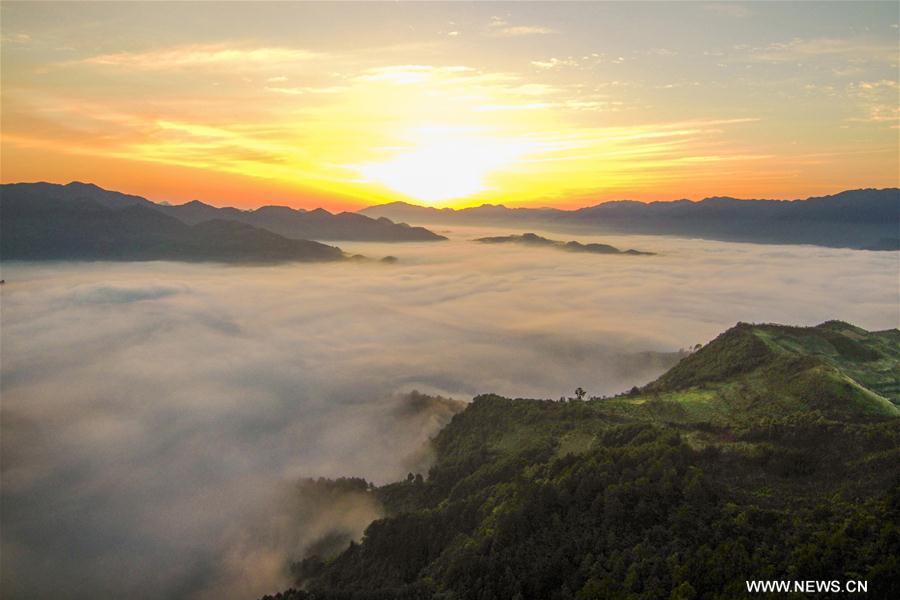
pixel 580 393
pixel 685 591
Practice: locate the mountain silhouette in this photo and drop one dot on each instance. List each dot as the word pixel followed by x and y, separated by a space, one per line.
pixel 532 239
pixel 83 222
pixel 318 224
pixel 863 219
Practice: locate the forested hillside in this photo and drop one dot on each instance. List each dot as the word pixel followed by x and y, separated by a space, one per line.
pixel 771 453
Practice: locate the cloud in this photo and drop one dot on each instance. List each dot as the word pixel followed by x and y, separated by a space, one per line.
pixel 157 417
pixel 499 27
pixel 111 294
pixel 799 49
pixel 554 63
pixel 406 74
pixel 204 55
pixel 520 30
pixel 299 91
pixel 878 101
pixel 15 38
pixel 528 106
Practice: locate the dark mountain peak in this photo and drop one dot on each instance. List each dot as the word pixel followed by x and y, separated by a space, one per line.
pixel 317 224
pixel 47 226
pixel 861 191
pixel 720 200
pixel 196 204
pixel 275 210
pixel 533 239
pixel 864 218
pixel 74 191
pixel 80 185
pixel 618 203
pixel 296 224
pixel 399 204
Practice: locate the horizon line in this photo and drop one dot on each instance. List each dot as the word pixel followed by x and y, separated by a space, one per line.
pixel 448 208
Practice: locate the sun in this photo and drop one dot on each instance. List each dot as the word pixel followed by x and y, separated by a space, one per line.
pixel 442 163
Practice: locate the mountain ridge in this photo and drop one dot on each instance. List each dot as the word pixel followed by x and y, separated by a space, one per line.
pixel 51 228
pixel 317 224
pixel 866 218
pixel 532 239
pixel 825 368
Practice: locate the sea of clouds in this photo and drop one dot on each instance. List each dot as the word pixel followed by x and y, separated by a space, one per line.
pixel 156 417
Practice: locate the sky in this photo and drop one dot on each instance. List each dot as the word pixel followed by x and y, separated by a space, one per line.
pixel 343 105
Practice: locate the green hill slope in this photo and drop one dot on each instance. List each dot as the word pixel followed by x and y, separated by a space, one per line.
pixel 774 370
pixel 771 453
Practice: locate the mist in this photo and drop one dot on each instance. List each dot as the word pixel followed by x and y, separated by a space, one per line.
pixel 157 418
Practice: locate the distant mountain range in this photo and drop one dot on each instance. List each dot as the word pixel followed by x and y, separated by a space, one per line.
pixel 83 222
pixel 532 239
pixel 318 224
pixel 864 219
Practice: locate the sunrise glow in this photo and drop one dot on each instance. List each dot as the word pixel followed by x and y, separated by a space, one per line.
pixel 443 163
pixel 449 106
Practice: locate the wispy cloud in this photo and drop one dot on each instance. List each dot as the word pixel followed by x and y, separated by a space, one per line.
pixel 203 55
pixel 403 74
pixel 298 91
pixel 845 48
pixel 553 63
pixel 15 38
pixel 529 106
pixel 499 27
pixel 878 101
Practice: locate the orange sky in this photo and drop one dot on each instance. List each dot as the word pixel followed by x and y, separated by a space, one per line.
pixel 450 104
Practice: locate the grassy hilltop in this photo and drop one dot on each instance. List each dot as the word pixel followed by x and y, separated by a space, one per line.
pixel 774 370
pixel 770 453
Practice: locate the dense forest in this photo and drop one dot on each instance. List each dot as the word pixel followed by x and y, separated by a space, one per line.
pixel 769 454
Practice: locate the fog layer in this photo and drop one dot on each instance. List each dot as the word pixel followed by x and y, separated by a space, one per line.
pixel 157 416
